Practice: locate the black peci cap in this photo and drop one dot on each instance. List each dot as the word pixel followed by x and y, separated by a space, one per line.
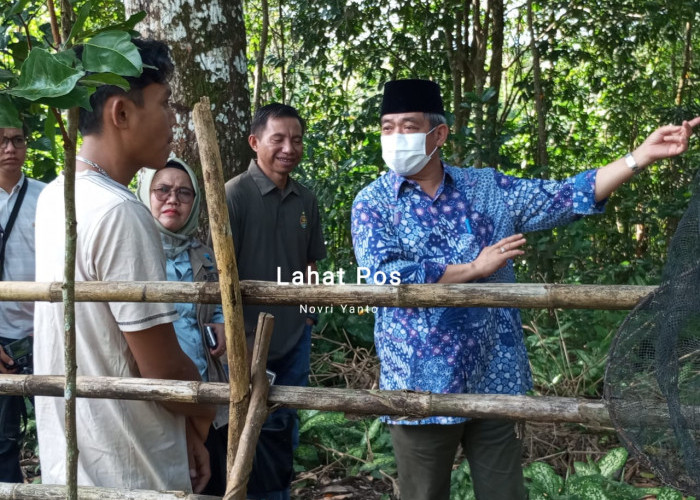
pixel 407 96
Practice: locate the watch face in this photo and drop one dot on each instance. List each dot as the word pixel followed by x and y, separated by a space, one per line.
pixel 631 163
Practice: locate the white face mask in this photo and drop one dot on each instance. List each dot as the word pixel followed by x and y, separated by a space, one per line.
pixel 405 153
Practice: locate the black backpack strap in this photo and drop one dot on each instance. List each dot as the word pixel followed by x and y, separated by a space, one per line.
pixel 10 223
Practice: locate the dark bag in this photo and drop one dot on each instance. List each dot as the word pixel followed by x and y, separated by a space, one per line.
pixel 274 457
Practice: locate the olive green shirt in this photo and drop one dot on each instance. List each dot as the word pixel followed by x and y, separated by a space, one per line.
pixel 275 232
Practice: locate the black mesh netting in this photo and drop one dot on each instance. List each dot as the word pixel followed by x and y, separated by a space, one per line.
pixel 652 380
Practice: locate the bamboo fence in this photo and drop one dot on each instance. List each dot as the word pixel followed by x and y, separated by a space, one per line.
pixel 355 401
pixel 14 491
pixel 360 402
pixel 522 295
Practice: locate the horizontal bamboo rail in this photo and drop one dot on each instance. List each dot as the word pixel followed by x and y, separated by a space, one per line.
pixel 525 295
pixel 356 401
pixel 13 491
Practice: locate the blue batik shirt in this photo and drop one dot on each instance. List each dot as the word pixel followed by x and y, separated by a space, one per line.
pixel 179 268
pixel 398 227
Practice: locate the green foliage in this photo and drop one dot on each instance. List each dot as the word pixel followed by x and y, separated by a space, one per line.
pixel 360 446
pixel 8 113
pixel 58 79
pixel 461 486
pixel 112 52
pixel 591 481
pixel 44 75
pixel 37 73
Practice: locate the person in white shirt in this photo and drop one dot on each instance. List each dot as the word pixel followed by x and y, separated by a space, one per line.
pixel 124 444
pixel 18 196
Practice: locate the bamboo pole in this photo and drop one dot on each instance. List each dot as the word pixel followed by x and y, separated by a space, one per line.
pixel 356 401
pixel 68 289
pixel 222 239
pixel 524 295
pixel 68 296
pixel 237 483
pixel 12 491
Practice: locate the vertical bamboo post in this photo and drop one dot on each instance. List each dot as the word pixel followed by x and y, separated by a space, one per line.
pixel 68 295
pixel 257 412
pixel 222 239
pixel 68 289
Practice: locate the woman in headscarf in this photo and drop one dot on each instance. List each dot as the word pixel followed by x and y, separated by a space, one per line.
pixel 172 194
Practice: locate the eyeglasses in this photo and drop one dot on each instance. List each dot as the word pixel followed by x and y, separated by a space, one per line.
pixel 18 141
pixel 183 194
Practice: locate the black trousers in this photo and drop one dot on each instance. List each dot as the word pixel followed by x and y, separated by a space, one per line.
pixel 216 446
pixel 425 454
pixel 11 411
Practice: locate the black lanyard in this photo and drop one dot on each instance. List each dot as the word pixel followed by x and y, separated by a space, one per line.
pixel 5 233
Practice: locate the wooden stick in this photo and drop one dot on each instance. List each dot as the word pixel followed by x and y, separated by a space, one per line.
pixel 356 401
pixel 257 411
pixel 526 295
pixel 68 297
pixel 231 300
pixel 13 491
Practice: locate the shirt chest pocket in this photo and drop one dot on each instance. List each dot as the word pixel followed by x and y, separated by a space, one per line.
pixel 441 239
pixel 459 244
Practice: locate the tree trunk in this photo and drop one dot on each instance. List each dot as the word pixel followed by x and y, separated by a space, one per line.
pixel 495 71
pixel 468 77
pixel 675 165
pixel 455 26
pixel 541 157
pixel 208 44
pixel 478 58
pixel 282 56
pixel 260 56
pixel 687 51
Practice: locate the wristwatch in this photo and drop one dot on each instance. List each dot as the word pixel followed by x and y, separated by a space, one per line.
pixel 631 163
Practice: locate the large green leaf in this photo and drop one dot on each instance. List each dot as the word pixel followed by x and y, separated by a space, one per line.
pixel 44 76
pixel 669 494
pixel 612 462
pixel 544 479
pixel 9 117
pixel 112 52
pixel 79 96
pixel 98 79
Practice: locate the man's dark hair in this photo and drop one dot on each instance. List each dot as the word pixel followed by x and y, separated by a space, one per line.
pixel 153 53
pixel 274 110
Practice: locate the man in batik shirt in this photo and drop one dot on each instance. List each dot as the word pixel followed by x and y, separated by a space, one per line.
pixel 435 223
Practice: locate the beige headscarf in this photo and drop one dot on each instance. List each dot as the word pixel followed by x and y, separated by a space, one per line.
pixel 176 242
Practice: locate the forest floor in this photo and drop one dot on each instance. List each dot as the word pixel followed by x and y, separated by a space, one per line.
pixel 559 445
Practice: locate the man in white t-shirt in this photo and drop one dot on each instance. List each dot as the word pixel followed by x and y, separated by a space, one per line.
pixel 122 443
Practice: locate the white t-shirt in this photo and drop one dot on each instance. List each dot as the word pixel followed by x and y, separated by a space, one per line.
pixel 125 444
